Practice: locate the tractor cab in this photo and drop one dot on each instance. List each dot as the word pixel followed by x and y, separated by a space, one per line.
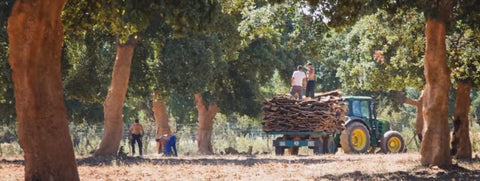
pixel 364 131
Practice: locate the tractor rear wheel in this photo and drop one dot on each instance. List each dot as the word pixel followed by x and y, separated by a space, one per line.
pixel 355 138
pixel 392 142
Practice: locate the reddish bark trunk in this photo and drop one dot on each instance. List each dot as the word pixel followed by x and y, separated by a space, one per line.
pixel 205 124
pixel 35 40
pixel 461 146
pixel 419 121
pixel 113 105
pixel 161 119
pixel 436 138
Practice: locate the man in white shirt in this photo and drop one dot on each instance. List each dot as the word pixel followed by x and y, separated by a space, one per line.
pixel 298 82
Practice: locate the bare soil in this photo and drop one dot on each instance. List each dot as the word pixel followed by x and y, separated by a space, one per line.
pixel 260 167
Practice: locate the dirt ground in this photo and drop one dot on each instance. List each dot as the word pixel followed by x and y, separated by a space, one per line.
pixel 260 167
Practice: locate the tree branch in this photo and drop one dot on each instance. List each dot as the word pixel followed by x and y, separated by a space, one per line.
pixel 411 101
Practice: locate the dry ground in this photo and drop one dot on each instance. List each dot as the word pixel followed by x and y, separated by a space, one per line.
pixel 260 167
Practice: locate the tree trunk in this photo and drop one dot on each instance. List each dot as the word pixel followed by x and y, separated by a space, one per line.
pixel 113 105
pixel 161 119
pixel 205 124
pixel 436 138
pixel 35 40
pixel 419 121
pixel 461 146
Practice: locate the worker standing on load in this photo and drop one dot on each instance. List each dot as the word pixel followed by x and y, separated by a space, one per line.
pixel 298 83
pixel 310 92
pixel 135 134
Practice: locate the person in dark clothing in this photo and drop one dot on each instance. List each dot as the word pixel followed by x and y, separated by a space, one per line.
pixel 136 133
pixel 310 92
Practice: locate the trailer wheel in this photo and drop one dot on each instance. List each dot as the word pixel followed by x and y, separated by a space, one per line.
pixel 294 150
pixel 355 138
pixel 319 149
pixel 329 145
pixel 279 150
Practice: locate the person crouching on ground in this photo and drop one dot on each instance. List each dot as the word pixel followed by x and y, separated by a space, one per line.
pixel 169 141
pixel 136 133
pixel 298 82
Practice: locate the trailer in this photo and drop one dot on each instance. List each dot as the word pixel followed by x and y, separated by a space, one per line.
pixel 363 132
pixel 319 142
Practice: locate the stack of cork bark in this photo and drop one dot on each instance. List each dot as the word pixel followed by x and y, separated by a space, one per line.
pixel 325 112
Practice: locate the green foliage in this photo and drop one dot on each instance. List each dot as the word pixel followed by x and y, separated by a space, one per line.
pixel 182 107
pixel 238 90
pixel 468 12
pixel 88 66
pixel 261 22
pixel 7 101
pixel 122 18
pixel 188 65
pixel 141 80
pixel 80 112
pixel 275 86
pixel 381 56
pixel 463 54
pixel 188 16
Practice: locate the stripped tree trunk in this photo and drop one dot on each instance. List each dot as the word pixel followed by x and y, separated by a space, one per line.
pixel 113 105
pixel 35 42
pixel 461 146
pixel 419 121
pixel 435 149
pixel 161 119
pixel 206 113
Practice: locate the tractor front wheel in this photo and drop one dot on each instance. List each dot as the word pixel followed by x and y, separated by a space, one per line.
pixel 355 138
pixel 392 142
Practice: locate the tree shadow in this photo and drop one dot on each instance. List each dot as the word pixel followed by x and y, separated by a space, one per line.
pixel 13 162
pixel 240 160
pixel 455 172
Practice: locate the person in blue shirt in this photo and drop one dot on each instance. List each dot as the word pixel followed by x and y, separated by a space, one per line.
pixel 169 141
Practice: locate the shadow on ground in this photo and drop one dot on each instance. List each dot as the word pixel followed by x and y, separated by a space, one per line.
pixel 420 173
pixel 455 172
pixel 243 161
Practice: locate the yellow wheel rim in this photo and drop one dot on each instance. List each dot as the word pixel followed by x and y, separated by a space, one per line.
pixel 359 139
pixel 394 144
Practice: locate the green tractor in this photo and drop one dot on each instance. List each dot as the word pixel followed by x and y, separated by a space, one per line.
pixel 364 131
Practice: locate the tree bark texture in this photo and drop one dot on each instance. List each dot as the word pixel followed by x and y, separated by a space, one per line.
pixel 35 33
pixel 419 121
pixel 435 145
pixel 461 146
pixel 161 119
pixel 206 113
pixel 113 105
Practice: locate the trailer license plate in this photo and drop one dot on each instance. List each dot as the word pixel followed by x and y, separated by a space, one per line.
pixel 282 143
pixel 311 143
